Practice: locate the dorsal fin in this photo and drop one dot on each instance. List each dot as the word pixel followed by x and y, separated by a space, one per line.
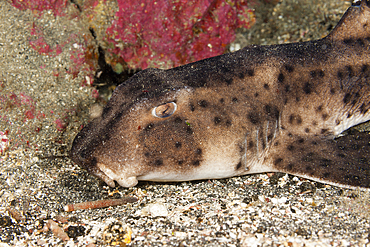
pixel 354 24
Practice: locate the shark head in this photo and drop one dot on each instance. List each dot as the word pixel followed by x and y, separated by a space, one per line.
pixel 260 109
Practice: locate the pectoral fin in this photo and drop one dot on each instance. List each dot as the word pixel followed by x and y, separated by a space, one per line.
pixel 344 161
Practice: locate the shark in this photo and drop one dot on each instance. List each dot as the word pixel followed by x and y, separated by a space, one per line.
pixel 274 108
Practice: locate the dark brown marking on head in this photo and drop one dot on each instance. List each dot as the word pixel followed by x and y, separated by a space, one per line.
pixel 267 109
pixel 228 123
pixel 363 109
pixel 287 88
pixel 198 151
pixel 234 100
pixel 324 131
pixel 241 75
pixel 290 147
pixel 178 120
pixel 314 123
pixel 269 137
pixel 189 130
pixel 289 68
pixel 301 140
pixel 346 98
pixel 250 144
pixel 256 95
pixel 277 161
pixel 266 86
pixel 158 162
pixel 196 163
pixel 365 68
pixel 349 70
pixel 178 144
pixel 348 41
pixel 222 100
pixel 319 108
pixel 295 119
pixel 149 126
pixel 217 120
pixel 281 78
pixel 332 90
pixel 203 103
pixel 254 118
pixel 307 88
pixel 250 72
pixel 307 130
pixel 191 106
pixel 238 166
pixel 229 81
pixel 355 98
pixel 325 116
pixel 340 75
pixel 289 167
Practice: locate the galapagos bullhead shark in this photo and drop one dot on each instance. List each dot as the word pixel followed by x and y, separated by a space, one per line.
pixel 275 108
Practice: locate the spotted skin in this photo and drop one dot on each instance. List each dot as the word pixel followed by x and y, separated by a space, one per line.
pixel 277 108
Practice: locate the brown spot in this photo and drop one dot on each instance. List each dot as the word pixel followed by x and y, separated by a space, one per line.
pixel 196 163
pixel 323 131
pixel 250 72
pixel 192 108
pixel 307 130
pixel 158 162
pixel 295 119
pixel 346 98
pixel 203 103
pixel 289 68
pixel 325 116
pixel 307 88
pixel 266 86
pixel 319 108
pixel 149 126
pixel 217 120
pixel 278 161
pixel 281 78
pixel 238 166
pixel 364 68
pixel 253 117
pixel 178 144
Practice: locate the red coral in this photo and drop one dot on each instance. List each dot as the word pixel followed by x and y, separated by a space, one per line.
pixel 57 6
pixel 168 33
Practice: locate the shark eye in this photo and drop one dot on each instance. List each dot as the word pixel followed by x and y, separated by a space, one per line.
pixel 164 110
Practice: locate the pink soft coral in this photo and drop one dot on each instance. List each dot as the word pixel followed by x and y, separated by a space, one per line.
pixel 168 33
